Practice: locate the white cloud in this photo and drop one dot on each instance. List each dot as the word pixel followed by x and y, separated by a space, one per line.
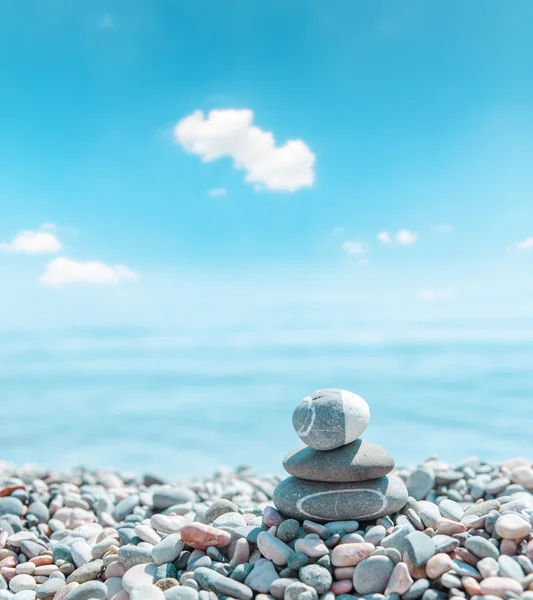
pixel 434 294
pixel 526 244
pixel 405 237
pixel 64 270
pixel 217 192
pixel 384 237
pixel 106 22
pixel 353 247
pixel 443 228
pixel 33 242
pixel 231 133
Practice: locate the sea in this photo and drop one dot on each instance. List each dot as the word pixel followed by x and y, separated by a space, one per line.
pixel 180 403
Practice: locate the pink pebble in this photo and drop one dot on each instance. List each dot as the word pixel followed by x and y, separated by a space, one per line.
pixel 342 586
pixel 271 517
pixel 508 547
pixel 471 586
pixel 344 572
pixel 499 586
pixel 449 527
pixel 349 555
pixel 201 536
pixel 114 569
pixel 400 580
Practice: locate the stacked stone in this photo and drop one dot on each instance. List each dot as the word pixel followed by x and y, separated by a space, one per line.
pixel 337 476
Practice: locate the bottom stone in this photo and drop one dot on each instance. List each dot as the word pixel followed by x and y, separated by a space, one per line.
pixel 323 502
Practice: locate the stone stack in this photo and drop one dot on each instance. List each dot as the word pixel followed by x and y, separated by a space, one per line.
pixel 337 476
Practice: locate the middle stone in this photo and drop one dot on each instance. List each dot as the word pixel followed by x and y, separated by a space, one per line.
pixel 357 461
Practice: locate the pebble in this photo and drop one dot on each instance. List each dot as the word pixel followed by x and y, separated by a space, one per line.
pixel 358 461
pixel 201 536
pixel 372 575
pixel 210 580
pixel 330 418
pixel 420 483
pixel 302 499
pixel 481 547
pixel 420 548
pixel 98 535
pixel 512 527
pixel 317 577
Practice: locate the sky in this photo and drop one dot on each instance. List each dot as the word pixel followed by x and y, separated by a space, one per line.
pixel 280 164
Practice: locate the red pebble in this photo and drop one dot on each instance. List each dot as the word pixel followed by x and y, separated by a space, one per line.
pixel 343 586
pixel 271 517
pixel 200 536
pixel 8 490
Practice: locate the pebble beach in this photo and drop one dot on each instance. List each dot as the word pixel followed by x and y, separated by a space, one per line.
pixel 465 532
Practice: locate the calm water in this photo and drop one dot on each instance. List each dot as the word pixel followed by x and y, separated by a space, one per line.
pixel 182 403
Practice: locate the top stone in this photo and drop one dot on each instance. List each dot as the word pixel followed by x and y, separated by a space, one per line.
pixel 330 418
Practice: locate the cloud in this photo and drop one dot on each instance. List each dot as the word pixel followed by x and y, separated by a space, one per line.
pixel 364 261
pixel 434 294
pixel 405 237
pixel 526 244
pixel 48 227
pixel 442 228
pixel 62 271
pixel 217 192
pixel 384 237
pixel 231 133
pixel 106 22
pixel 353 247
pixel 33 242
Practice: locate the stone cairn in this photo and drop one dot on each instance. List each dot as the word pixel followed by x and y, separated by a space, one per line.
pixel 337 476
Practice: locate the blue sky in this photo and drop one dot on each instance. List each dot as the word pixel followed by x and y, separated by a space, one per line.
pixel 409 117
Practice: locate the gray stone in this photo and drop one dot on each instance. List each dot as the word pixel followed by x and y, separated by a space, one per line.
pixel 397 539
pixel 40 511
pixel 262 576
pixel 330 418
pixel 11 506
pixel 464 569
pixel 451 510
pixel 167 550
pixel 372 574
pixel 416 590
pixel 297 560
pixel 218 508
pixel 130 555
pixel 166 496
pixel 420 548
pixel 125 507
pixel 49 587
pixel 299 591
pixel 357 461
pixel 317 577
pixel 420 483
pixel 91 590
pixel 481 547
pixel 230 519
pixel 215 582
pixel 288 530
pixel 510 568
pixel 319 501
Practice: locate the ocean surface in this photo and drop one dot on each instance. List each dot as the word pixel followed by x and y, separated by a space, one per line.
pixel 182 403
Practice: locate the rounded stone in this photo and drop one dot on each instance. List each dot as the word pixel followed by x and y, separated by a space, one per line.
pixel 90 590
pixel 323 502
pixel 330 418
pixel 372 575
pixel 357 461
pixel 317 577
pixel 512 527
